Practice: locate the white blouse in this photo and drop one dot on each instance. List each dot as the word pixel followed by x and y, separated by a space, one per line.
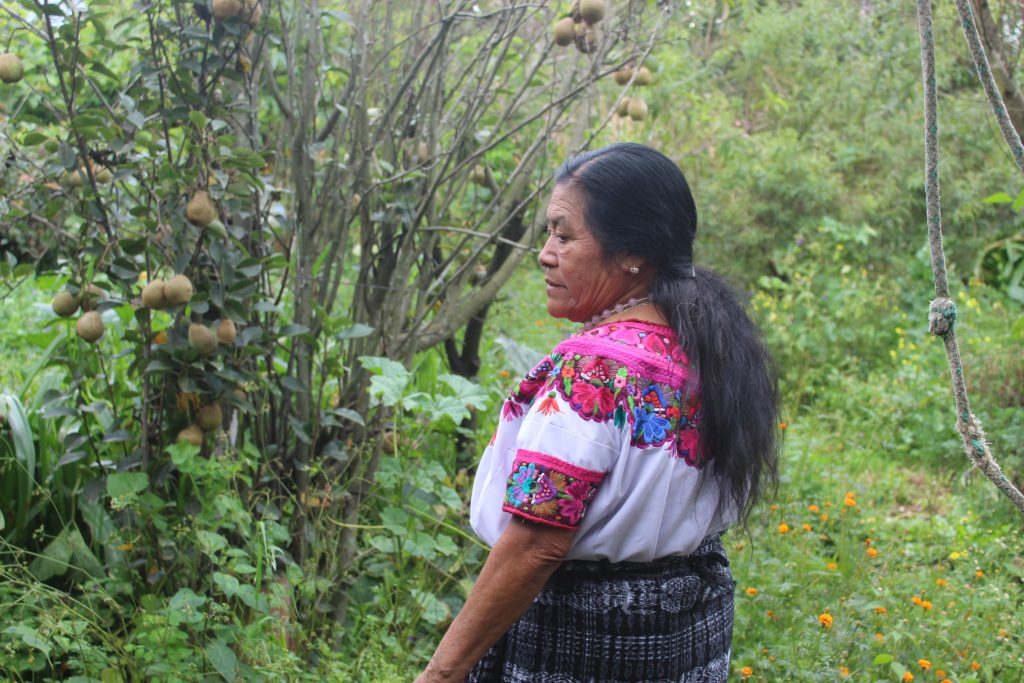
pixel 602 437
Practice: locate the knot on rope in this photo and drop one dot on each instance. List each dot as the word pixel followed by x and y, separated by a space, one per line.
pixel 941 316
pixel 974 441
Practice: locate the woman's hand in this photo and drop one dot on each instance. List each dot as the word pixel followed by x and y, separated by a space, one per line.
pixel 519 565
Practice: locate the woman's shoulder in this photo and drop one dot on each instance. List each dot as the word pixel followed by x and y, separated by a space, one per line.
pixel 643 348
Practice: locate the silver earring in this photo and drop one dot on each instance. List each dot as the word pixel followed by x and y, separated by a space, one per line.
pixel 633 270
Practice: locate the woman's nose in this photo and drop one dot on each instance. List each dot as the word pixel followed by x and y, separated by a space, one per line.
pixel 546 258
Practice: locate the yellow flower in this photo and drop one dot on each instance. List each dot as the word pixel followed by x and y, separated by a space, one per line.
pixel 751 591
pixel 940 673
pixel 849 501
pixel 824 517
pixel 954 555
pixel 907 677
pixel 832 566
pixel 783 528
pixel 503 373
pixel 825 619
pixel 872 552
pixel 770 614
pixel 746 672
pixel 879 637
pixel 924 664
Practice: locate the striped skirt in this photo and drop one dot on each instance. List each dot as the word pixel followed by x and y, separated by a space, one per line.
pixel 626 622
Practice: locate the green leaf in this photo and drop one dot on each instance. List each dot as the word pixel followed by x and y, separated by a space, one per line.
pixel 198 119
pixel 394 520
pixel 434 611
pixel 223 660
pixel 33 139
pixel 54 559
pixel 470 393
pixel 998 198
pixel 389 381
pixel 882 659
pixel 355 331
pixel 120 484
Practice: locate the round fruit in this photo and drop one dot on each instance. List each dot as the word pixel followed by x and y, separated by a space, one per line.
pixel 103 174
pixel 637 109
pixel 11 68
pixel 479 175
pixel 355 201
pixel 226 332
pixel 423 153
pixel 592 11
pixel 200 209
pixel 201 339
pixel 643 76
pixel 90 296
pixel 564 32
pixel 210 417
pixel 623 107
pixel 192 434
pixel 622 76
pixel 90 327
pixel 178 290
pixel 153 295
pixel 225 9
pixel 65 304
pixel 74 179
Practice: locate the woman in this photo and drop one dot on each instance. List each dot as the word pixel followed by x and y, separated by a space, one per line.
pixel 622 457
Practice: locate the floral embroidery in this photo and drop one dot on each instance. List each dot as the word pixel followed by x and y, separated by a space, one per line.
pixel 549 405
pixel 603 389
pixel 528 388
pixel 544 489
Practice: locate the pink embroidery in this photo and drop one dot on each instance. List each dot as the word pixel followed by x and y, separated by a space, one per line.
pixel 545 489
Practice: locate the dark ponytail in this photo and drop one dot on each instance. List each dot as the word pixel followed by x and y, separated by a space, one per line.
pixel 637 202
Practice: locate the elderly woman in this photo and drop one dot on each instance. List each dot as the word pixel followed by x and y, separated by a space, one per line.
pixel 623 455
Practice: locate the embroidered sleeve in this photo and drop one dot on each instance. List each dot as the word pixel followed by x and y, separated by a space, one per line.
pixel 545 489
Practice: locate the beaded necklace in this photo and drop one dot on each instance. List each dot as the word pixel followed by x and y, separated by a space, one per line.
pixel 618 308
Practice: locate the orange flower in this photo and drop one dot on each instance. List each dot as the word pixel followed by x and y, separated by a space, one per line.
pixel 813 508
pixel 941 582
pixel 783 528
pixel 825 620
pixel 770 614
pixel 916 600
pixel 945 680
pixel 844 672
pixel 746 672
pixel 783 425
pixel 872 552
pixel 879 637
pixel 160 338
pixel 832 566
pixel 975 666
pixel 774 507
pixel 806 527
pixel 824 517
pixel 907 677
pixel 940 673
pixel 503 373
pixel 880 610
pixel 849 501
pixel 1003 632
pixel 979 573
pixel 924 664
pixel 926 605
pixel 751 591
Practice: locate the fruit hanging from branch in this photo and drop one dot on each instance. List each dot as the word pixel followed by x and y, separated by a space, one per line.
pixel 200 210
pixel 90 326
pixel 11 68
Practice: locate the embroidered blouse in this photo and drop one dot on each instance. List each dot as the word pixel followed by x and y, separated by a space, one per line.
pixel 602 437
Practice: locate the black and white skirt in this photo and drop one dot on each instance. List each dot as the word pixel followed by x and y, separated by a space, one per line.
pixel 629 622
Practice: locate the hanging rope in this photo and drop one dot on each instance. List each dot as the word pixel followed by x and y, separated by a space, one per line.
pixel 942 311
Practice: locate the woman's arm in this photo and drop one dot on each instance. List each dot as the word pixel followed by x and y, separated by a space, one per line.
pixel 519 565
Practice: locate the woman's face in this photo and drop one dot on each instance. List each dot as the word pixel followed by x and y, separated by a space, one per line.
pixel 580 285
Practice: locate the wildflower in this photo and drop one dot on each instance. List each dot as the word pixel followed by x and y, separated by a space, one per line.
pixel 925 604
pixel 954 555
pixel 824 517
pixel 849 501
pixel 783 425
pixel 844 672
pixel 924 664
pixel 503 373
pixel 916 600
pixel 832 566
pixel 880 610
pixel 746 672
pixel 1003 632
pixel 806 527
pixel 160 338
pixel 774 507
pixel 879 637
pixel 783 528
pixel 770 614
pixel 813 508
pixel 825 620
pixel 945 680
pixel 978 573
pixel 940 673
pixel 941 582
pixel 907 677
pixel 538 323
pixel 975 666
pixel 751 591
pixel 872 552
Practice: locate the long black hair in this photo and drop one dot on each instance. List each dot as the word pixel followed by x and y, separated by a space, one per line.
pixel 637 202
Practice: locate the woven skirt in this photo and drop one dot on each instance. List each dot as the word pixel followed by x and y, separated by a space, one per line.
pixel 629 622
